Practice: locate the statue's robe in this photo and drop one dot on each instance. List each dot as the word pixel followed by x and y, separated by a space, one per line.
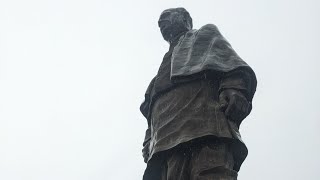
pixel 182 101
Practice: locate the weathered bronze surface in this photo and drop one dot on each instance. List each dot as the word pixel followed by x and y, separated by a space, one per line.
pixel 195 104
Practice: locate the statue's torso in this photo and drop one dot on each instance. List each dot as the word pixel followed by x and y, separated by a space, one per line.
pixel 187 112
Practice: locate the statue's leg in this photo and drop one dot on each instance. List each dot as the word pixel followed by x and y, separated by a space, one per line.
pixel 199 160
pixel 173 164
pixel 178 164
pixel 156 167
pixel 213 161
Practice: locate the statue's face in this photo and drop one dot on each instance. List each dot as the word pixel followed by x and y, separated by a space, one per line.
pixel 172 23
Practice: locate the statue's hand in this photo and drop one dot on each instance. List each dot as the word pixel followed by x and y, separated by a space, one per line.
pixel 145 153
pixel 234 105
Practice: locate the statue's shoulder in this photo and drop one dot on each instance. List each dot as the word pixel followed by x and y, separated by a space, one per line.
pixel 211 28
pixel 206 29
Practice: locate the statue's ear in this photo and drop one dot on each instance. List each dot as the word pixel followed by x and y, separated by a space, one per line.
pixel 188 25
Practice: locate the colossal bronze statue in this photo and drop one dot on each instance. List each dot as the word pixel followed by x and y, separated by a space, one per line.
pixel 195 104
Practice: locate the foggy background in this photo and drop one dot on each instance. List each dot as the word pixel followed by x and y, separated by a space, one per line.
pixel 73 74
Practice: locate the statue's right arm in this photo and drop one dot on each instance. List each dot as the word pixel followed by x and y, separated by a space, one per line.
pixel 146 143
pixel 234 93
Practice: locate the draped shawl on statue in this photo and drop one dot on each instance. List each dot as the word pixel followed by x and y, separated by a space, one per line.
pixel 199 52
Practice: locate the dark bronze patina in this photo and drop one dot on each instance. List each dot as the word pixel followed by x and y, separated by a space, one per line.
pixel 195 104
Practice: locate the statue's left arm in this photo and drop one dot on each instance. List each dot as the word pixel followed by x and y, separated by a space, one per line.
pixel 144 108
pixel 234 95
pixel 146 143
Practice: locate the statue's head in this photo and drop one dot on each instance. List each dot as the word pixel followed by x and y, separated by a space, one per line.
pixel 173 22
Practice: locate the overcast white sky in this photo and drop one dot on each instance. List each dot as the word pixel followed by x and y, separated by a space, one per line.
pixel 73 74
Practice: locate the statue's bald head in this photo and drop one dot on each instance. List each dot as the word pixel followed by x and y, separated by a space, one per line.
pixel 173 22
